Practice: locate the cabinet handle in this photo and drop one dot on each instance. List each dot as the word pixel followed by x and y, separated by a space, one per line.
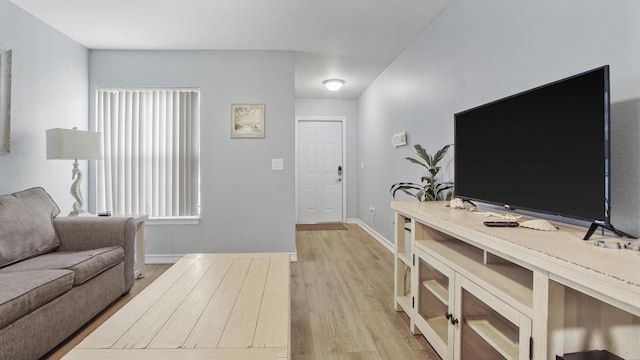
pixel 451 319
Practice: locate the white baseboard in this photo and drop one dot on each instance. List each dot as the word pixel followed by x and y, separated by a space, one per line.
pixel 381 239
pixel 162 259
pixel 352 221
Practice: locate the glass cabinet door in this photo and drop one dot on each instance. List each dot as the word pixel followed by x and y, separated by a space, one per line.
pixel 490 329
pixel 434 296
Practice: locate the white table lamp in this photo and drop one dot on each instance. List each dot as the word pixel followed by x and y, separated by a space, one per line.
pixel 74 144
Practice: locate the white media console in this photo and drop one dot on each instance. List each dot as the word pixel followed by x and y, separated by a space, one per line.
pixel 477 292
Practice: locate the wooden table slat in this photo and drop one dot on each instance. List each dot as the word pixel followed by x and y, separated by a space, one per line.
pixel 172 354
pixel 207 331
pixel 241 326
pixel 176 330
pixel 272 329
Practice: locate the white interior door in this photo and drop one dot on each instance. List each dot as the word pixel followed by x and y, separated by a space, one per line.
pixel 319 172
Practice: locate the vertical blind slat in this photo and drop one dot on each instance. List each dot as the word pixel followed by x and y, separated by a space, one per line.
pixel 127 154
pixel 135 153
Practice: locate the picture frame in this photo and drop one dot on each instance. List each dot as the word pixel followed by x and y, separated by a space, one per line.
pixel 5 99
pixel 247 121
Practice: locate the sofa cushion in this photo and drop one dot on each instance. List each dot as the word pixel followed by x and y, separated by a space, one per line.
pixel 84 264
pixel 26 225
pixel 23 292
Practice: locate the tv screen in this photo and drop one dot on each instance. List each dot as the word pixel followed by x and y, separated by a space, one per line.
pixel 544 150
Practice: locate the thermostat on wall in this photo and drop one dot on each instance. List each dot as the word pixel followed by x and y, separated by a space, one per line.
pixel 399 139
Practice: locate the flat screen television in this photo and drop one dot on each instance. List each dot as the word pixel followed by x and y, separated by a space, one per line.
pixel 544 150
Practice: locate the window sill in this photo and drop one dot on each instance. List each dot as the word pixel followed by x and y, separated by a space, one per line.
pixel 178 220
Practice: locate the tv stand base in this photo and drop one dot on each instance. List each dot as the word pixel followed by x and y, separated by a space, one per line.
pixel 595 226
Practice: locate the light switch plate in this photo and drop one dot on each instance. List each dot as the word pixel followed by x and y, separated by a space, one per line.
pixel 277 164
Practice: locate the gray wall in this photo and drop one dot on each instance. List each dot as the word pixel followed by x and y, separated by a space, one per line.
pixel 49 89
pixel 349 109
pixel 479 51
pixel 246 207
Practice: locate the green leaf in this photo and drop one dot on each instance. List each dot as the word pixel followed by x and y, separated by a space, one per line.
pixel 449 195
pixel 405 188
pixel 407 192
pixel 422 153
pixel 440 154
pixel 416 162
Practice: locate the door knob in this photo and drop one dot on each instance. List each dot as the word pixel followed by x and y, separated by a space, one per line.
pixel 338 180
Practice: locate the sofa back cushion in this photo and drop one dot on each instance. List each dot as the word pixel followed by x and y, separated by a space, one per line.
pixel 26 225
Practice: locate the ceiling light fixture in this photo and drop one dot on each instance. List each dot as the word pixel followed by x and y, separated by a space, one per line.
pixel 333 84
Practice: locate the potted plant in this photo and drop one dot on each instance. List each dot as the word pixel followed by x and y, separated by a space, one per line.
pixel 430 187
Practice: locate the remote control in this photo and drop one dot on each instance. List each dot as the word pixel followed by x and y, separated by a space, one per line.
pixel 501 223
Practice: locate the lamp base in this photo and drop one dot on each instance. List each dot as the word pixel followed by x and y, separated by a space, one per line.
pixel 75 191
pixel 79 212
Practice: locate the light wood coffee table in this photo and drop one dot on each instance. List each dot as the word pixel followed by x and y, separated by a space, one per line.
pixel 206 306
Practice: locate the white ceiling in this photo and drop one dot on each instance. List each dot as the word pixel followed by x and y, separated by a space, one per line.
pixel 349 39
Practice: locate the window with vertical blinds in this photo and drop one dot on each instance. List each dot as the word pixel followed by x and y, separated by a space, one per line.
pixel 151 159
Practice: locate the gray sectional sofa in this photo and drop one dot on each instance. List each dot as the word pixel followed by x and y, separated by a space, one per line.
pixel 56 273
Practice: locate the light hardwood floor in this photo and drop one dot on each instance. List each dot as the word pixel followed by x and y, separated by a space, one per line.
pixel 341 301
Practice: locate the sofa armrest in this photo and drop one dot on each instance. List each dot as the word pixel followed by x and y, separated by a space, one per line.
pixel 85 233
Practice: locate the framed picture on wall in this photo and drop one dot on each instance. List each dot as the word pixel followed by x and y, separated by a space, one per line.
pixel 5 98
pixel 247 121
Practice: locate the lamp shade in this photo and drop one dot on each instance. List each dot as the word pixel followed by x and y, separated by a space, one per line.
pixel 74 144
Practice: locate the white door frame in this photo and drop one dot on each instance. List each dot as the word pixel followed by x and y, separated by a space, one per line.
pixel 345 169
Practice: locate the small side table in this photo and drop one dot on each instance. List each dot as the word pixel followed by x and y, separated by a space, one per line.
pixel 139 267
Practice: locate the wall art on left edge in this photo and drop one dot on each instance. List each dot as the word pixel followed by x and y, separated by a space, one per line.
pixel 5 99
